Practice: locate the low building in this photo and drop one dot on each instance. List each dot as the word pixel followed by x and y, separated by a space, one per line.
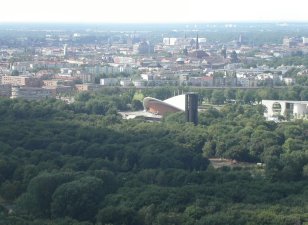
pixel 139 83
pixel 21 66
pixel 162 82
pixel 195 81
pixel 123 60
pixel 51 83
pixel 147 76
pixel 180 61
pixel 126 82
pixel 207 81
pixel 247 82
pixel 288 80
pixel 59 90
pixel 31 93
pixel 200 54
pixel 85 77
pixel 287 109
pixel 110 68
pixel 108 81
pixel 218 81
pixel 230 81
pixel 88 87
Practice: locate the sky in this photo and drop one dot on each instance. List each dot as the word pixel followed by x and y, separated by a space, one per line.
pixel 153 11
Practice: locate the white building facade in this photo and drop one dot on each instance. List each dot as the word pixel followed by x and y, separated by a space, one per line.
pixel 287 109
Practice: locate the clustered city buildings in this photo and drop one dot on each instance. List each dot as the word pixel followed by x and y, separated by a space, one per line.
pixel 58 66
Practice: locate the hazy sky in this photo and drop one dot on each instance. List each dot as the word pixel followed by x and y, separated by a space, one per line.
pixel 144 11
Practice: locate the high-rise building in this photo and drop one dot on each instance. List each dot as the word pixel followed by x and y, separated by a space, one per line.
pixel 65 50
pixel 191 107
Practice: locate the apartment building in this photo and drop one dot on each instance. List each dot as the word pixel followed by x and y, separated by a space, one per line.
pixel 31 93
pixel 21 81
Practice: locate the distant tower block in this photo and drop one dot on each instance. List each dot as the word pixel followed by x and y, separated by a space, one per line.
pixel 197 42
pixel 65 50
pixel 191 107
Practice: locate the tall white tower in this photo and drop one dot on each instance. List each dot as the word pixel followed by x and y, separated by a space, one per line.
pixel 65 50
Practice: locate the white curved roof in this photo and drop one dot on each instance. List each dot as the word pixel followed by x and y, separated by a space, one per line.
pixel 177 102
pixel 180 60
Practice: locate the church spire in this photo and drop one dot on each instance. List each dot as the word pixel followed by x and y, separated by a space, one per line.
pixel 197 42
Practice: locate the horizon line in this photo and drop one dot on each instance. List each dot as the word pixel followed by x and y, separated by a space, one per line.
pixel 158 22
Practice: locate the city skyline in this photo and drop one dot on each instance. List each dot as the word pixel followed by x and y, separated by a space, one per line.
pixel 159 11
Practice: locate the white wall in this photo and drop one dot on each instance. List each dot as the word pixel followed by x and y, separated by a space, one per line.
pixel 300 109
pixel 177 101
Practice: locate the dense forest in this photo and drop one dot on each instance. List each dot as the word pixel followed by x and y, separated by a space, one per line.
pixel 81 164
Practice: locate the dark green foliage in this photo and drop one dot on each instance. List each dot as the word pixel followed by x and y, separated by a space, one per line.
pixel 37 200
pixel 78 199
pixel 118 215
pixel 71 164
pixel 137 105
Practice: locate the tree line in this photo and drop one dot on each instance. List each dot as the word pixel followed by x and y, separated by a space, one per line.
pixel 77 164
